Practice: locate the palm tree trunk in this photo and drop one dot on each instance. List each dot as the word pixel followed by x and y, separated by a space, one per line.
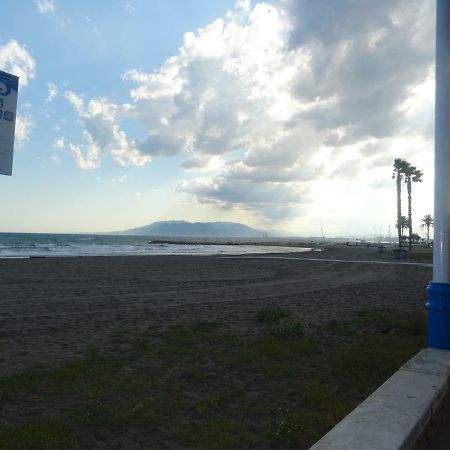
pixel 428 234
pixel 399 210
pixel 409 212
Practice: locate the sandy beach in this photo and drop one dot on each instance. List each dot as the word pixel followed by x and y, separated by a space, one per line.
pixel 54 309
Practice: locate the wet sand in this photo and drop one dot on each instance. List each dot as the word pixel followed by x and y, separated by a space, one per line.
pixel 54 309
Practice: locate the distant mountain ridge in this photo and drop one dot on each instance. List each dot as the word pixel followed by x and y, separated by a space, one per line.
pixel 183 228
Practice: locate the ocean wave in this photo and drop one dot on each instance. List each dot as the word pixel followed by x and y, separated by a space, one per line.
pixel 35 245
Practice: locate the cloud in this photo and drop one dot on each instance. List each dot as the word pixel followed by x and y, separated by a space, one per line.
pixel 365 56
pixel 130 9
pixel 102 133
pixel 52 92
pixel 203 163
pixel 45 6
pixel 120 179
pixel 24 125
pixel 86 158
pixel 269 199
pixel 90 21
pixel 283 95
pixel 75 100
pixel 15 59
pixel 59 143
pixel 65 21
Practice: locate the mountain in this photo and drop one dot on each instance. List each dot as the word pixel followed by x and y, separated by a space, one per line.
pixel 182 228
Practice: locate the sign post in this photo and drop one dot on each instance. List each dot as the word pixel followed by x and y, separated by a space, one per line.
pixel 9 87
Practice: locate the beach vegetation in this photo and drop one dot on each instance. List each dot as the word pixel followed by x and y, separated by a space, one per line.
pixel 286 427
pixel 400 166
pixel 421 254
pixel 402 225
pixel 427 222
pixel 37 435
pixel 287 328
pixel 272 314
pixel 412 175
pixel 387 321
pixel 200 385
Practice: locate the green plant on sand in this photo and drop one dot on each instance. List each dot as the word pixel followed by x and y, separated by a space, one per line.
pixel 199 385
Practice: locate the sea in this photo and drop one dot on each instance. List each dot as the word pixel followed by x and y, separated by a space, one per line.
pixel 28 245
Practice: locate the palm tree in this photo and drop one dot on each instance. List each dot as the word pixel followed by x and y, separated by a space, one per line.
pixel 403 226
pixel 399 168
pixel 427 221
pixel 412 175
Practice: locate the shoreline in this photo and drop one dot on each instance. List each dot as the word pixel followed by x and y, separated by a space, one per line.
pixel 126 255
pixel 175 249
pixel 339 252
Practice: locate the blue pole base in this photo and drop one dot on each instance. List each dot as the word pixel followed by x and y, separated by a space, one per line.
pixel 439 315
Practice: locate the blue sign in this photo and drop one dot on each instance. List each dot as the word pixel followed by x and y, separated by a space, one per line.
pixel 9 87
pixel 8 83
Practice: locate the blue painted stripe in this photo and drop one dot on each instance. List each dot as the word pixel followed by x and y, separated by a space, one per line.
pixel 439 315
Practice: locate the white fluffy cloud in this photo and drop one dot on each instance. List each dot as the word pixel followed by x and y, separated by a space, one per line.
pixel 15 59
pixel 102 133
pixel 86 159
pixel 278 96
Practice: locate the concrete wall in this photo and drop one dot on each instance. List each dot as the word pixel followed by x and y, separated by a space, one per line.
pixel 400 414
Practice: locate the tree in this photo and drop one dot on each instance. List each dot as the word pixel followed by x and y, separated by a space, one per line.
pixel 399 168
pixel 412 175
pixel 427 222
pixel 403 226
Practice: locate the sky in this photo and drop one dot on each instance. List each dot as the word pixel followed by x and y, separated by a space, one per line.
pixel 283 115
